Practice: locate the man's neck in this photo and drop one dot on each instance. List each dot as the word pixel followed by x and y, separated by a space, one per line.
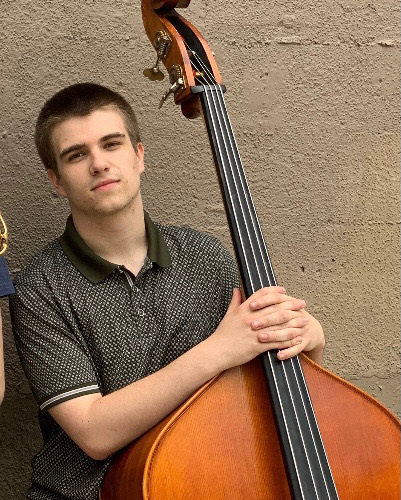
pixel 119 238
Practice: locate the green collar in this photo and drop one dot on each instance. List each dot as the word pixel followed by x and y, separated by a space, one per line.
pixel 95 268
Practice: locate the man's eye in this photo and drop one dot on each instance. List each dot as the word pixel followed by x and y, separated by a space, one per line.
pixel 112 145
pixel 76 156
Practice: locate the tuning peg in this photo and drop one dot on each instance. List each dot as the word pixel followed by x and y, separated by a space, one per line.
pixel 162 46
pixel 153 73
pixel 176 80
pixel 176 85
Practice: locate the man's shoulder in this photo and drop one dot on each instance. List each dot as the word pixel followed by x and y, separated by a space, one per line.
pixel 47 263
pixel 187 239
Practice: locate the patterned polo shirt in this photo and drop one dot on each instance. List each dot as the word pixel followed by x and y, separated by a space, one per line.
pixel 84 325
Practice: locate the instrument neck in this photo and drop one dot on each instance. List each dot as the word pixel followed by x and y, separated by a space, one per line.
pixel 250 247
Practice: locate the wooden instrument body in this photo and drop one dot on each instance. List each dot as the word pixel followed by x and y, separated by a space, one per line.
pixel 222 444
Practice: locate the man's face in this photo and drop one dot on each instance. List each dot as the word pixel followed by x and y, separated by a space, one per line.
pixel 98 167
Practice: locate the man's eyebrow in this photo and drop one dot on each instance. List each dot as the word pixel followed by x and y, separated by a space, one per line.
pixel 105 138
pixel 74 147
pixel 112 136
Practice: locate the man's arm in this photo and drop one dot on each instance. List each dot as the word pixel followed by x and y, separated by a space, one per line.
pixel 103 425
pixel 269 319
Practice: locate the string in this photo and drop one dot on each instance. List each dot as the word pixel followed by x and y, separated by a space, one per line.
pixel 275 381
pixel 310 428
pixel 228 184
pixel 219 93
pixel 235 185
pixel 317 426
pixel 240 171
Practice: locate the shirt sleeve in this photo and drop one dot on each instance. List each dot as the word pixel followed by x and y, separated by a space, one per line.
pixel 6 285
pixel 54 357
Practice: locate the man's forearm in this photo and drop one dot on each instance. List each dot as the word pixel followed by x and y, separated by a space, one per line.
pixel 103 425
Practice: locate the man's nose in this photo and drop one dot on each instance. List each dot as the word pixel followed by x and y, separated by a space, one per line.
pixel 99 162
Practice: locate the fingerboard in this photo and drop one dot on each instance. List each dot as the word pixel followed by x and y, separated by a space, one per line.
pixel 308 470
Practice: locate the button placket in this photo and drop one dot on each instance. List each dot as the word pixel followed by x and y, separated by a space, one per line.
pixel 134 291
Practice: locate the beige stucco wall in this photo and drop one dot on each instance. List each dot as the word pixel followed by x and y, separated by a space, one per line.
pixel 313 97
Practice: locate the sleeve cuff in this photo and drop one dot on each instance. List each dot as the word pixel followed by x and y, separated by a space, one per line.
pixel 67 394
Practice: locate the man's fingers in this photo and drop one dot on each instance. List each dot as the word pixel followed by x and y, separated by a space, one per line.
pixel 290 352
pixel 277 319
pixel 281 338
pixel 274 299
pixel 288 342
pixel 298 320
pixel 268 289
pixel 286 345
pixel 257 299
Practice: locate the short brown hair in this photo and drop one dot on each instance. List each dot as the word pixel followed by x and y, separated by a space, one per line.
pixel 80 99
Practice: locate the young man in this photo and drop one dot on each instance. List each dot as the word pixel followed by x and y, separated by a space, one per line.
pixel 120 320
pixel 6 288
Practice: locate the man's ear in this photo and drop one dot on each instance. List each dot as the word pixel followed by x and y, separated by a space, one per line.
pixel 140 154
pixel 55 181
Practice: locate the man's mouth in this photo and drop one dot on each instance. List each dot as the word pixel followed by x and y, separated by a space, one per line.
pixel 106 184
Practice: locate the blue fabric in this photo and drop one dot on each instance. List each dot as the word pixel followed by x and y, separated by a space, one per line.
pixel 6 285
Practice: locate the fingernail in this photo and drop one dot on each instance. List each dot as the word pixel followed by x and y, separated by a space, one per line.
pixel 256 324
pixel 253 304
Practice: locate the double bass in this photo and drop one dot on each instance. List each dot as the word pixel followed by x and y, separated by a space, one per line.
pixel 269 429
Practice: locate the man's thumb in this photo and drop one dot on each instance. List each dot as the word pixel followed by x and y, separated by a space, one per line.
pixel 236 300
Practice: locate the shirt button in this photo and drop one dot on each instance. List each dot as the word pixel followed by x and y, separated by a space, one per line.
pixel 141 312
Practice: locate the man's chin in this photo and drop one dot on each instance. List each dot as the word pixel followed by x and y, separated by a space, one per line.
pixel 110 209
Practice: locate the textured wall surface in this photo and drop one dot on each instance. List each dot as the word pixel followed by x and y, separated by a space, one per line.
pixel 313 96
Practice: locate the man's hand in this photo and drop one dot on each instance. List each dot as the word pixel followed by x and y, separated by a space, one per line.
pixel 269 319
